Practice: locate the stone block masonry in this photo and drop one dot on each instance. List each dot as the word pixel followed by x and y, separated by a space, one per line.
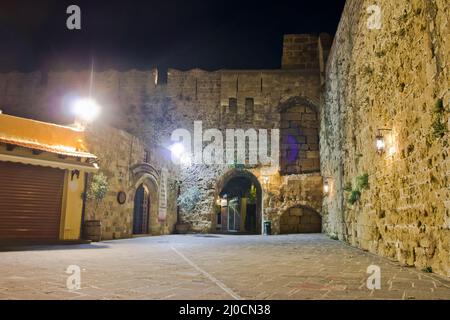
pixel 396 78
pixel 137 109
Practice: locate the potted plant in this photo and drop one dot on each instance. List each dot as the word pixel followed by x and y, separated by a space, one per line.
pixel 96 192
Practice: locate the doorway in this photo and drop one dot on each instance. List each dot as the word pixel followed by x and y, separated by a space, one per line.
pixel 240 198
pixel 141 210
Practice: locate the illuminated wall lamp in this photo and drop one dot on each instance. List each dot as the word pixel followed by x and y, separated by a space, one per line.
pixel 326 187
pixel 327 182
pixel 380 141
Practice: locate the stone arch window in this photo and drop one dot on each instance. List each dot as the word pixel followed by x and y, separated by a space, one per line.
pixel 299 135
pixel 300 219
pixel 249 106
pixel 249 109
pixel 232 105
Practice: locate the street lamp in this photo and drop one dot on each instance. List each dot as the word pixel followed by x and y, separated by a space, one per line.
pixel 85 110
pixel 179 154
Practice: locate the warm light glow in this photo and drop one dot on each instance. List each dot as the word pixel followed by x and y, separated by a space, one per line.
pixel 392 150
pixel 326 187
pixel 86 109
pixel 380 144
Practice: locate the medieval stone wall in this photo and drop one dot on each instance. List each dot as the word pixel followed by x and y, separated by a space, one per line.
pixel 244 99
pixel 225 99
pixel 119 152
pixel 396 78
pixel 49 96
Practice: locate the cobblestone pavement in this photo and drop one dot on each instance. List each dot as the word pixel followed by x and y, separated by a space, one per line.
pixel 211 267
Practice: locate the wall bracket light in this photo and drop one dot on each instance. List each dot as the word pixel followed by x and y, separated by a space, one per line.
pixel 381 141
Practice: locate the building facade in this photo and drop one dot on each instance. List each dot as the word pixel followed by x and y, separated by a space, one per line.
pixel 42 175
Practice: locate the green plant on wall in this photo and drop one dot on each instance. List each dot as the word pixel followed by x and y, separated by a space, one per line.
pixel 439 129
pixel 362 183
pixel 97 190
pixel 188 199
pixel 354 196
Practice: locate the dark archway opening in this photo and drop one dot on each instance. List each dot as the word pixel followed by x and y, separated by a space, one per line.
pixel 238 208
pixel 141 210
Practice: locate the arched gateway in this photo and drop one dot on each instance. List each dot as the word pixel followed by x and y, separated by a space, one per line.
pixel 238 206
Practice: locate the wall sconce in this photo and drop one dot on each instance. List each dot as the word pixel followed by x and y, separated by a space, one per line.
pixel 380 141
pixel 326 187
pixel 266 180
pixel 74 173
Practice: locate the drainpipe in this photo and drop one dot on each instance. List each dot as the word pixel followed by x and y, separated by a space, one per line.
pixel 178 206
pixel 83 210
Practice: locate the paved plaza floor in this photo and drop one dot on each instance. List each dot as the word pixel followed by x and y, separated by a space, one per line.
pixel 210 267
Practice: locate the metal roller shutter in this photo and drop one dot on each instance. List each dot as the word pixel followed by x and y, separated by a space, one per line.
pixel 30 202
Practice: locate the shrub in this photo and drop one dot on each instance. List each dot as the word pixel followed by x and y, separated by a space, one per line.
pixel 98 188
pixel 187 200
pixel 362 182
pixel 355 195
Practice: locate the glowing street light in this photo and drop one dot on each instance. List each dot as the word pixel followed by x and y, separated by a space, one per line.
pixel 86 110
pixel 179 154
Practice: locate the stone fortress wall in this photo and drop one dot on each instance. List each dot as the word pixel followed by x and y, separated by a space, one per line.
pixel 396 78
pixel 134 102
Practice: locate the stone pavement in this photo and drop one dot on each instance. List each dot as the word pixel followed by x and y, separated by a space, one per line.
pixel 211 267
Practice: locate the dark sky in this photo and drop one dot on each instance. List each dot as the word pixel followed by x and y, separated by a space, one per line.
pixel 210 34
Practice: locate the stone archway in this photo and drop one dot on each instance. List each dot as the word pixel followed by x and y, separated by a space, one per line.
pixel 300 219
pixel 146 177
pixel 250 214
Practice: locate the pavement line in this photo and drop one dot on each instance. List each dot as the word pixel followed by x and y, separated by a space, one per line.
pixel 219 283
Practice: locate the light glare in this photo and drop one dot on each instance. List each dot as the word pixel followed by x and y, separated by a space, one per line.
pixel 86 109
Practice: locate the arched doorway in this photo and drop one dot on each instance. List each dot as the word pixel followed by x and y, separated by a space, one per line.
pixel 141 210
pixel 239 203
pixel 300 219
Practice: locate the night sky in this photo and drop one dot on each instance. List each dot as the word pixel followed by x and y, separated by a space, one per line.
pixel 123 35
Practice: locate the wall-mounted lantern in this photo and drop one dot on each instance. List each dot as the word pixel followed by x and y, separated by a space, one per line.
pixel 381 141
pixel 326 187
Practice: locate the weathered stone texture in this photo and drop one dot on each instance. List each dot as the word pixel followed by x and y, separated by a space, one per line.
pixel 119 152
pixel 225 99
pixel 390 78
pixel 220 100
pixel 48 96
pixel 300 51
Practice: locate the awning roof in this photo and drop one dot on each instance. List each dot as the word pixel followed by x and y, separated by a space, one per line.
pixel 43 136
pixel 86 167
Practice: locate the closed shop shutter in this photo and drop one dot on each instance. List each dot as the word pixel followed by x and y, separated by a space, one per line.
pixel 30 202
